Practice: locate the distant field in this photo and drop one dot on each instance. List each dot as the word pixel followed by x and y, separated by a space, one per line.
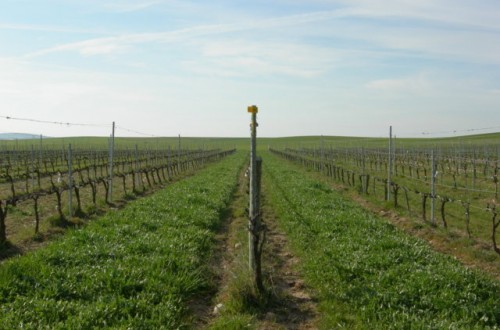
pixel 126 142
pixel 378 142
pixel 263 142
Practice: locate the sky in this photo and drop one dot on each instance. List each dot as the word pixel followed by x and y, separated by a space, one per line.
pixel 427 68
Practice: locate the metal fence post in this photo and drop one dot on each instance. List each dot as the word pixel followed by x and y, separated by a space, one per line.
pixel 254 243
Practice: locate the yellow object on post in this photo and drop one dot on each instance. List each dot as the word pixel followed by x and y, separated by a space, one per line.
pixel 253 109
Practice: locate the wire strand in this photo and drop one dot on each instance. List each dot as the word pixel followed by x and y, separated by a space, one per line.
pixel 75 124
pixel 52 122
pixel 136 132
pixel 462 130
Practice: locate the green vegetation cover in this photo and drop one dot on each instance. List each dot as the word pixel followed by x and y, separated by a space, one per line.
pixel 367 273
pixel 134 268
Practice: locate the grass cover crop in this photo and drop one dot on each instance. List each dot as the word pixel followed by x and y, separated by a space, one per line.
pixel 135 268
pixel 367 273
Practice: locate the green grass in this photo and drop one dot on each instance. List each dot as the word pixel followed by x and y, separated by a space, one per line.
pixel 367 273
pixel 134 268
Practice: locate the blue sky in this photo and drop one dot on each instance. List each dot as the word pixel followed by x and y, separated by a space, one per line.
pixel 315 67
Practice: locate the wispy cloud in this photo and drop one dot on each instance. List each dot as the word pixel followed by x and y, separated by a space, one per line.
pixel 108 45
pixel 431 83
pixel 47 28
pixel 418 85
pixel 130 6
pixel 485 14
pixel 98 46
pixel 253 58
pixel 420 40
pixel 220 55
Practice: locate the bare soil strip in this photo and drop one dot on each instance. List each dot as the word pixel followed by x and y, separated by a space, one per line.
pixel 295 306
pixel 290 304
pixel 202 307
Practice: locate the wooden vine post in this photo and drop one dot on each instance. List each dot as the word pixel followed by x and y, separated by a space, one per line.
pixel 70 181
pixel 433 188
pixel 111 156
pixel 389 166
pixel 255 241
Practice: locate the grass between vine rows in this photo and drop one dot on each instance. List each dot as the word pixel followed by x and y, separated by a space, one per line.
pixel 367 273
pixel 134 268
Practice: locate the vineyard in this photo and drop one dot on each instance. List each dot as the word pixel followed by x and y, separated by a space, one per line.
pixel 367 273
pixel 168 248
pixel 456 188
pixel 39 183
pixel 137 268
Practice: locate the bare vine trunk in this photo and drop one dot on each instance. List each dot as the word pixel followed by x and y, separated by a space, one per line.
pixel 3 215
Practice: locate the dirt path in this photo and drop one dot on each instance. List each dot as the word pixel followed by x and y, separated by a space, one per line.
pixel 202 307
pixel 295 307
pixel 289 305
